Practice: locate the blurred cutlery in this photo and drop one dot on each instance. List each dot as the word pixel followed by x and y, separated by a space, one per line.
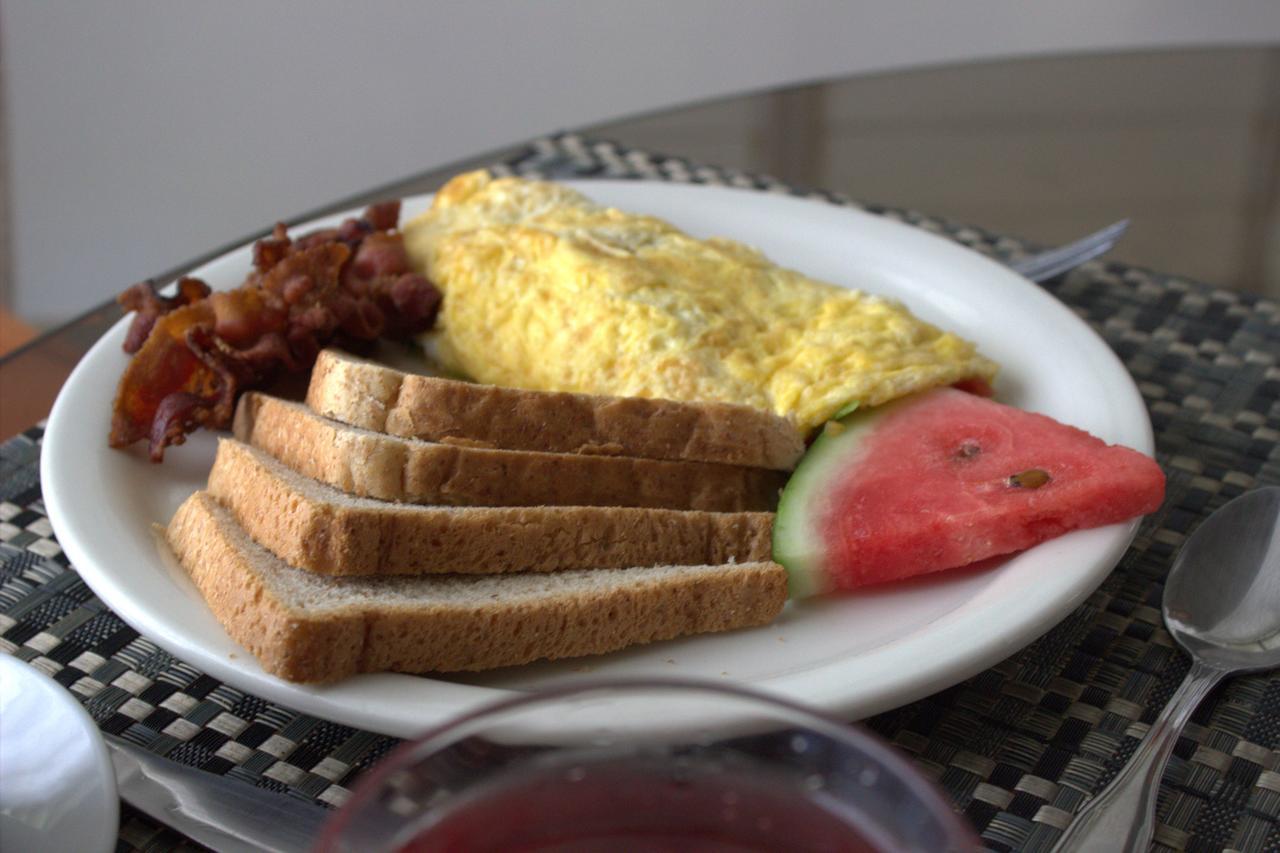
pixel 1045 265
pixel 225 814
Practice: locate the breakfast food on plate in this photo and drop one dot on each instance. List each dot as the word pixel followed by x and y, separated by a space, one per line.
pixel 646 391
pixel 379 398
pixel 944 479
pixel 306 627
pixel 546 290
pixel 193 353
pixel 375 465
pixel 316 527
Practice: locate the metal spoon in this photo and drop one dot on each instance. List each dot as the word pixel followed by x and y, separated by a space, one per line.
pixel 1222 605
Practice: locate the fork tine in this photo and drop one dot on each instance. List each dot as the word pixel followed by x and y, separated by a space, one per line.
pixel 1046 265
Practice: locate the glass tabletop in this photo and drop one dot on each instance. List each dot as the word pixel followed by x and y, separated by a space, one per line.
pixel 1044 149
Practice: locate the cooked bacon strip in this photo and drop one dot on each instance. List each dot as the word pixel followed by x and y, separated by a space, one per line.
pixel 196 351
pixel 150 306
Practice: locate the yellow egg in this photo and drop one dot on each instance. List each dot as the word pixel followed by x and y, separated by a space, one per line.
pixel 548 291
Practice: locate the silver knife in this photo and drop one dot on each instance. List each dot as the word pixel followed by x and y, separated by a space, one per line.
pixel 224 814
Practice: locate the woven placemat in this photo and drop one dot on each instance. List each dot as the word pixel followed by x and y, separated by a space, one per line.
pixel 1017 748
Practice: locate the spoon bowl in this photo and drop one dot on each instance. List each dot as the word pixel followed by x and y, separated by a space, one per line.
pixel 1221 604
pixel 1222 598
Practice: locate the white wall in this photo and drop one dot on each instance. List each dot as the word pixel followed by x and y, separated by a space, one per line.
pixel 141 133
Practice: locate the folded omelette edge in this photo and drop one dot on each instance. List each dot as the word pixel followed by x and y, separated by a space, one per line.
pixel 547 290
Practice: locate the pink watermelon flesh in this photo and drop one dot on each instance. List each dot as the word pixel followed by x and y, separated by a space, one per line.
pixel 946 478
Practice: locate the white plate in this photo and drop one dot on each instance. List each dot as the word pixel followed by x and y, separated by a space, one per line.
pixel 57 786
pixel 853 656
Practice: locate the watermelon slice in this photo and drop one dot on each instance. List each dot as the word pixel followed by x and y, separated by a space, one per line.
pixel 944 479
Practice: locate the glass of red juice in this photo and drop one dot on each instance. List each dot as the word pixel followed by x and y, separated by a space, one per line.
pixel 645 766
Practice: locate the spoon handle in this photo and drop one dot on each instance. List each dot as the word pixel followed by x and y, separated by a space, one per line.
pixel 1123 816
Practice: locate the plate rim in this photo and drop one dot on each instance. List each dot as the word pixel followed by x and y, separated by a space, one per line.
pixel 337 702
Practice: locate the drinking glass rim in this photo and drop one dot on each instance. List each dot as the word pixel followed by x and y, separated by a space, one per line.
pixel 877 750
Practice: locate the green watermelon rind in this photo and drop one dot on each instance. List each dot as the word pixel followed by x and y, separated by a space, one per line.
pixel 844 411
pixel 797 545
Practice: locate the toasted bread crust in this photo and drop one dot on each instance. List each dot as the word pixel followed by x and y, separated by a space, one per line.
pixel 313 526
pixel 391 468
pixel 295 646
pixel 423 635
pixel 381 399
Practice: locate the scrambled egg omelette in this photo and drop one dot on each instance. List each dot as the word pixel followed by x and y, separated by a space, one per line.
pixel 548 291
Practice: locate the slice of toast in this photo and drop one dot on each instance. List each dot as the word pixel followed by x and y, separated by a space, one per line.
pixel 382 399
pixel 376 465
pixel 316 527
pixel 304 627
